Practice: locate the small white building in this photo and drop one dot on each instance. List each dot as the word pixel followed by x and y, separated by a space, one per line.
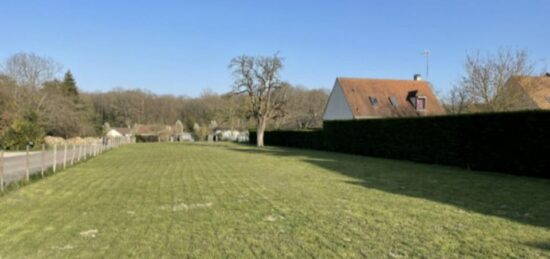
pixel 119 132
pixel 230 135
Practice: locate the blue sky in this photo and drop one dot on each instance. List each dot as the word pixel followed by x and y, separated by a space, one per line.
pixel 183 47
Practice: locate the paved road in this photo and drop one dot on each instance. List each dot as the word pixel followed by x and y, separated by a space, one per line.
pixel 15 166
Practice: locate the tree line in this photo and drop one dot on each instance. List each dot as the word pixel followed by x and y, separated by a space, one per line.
pixel 482 86
pixel 35 102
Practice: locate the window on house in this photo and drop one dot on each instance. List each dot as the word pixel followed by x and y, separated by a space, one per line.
pixel 421 103
pixel 548 99
pixel 393 101
pixel 373 101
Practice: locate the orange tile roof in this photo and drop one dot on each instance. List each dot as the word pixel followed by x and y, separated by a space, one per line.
pixel 358 90
pixel 537 88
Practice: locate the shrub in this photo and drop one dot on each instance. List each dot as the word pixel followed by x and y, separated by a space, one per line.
pixel 20 131
pixel 147 138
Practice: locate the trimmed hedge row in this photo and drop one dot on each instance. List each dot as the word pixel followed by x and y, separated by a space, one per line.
pixel 516 143
pixel 146 138
pixel 288 138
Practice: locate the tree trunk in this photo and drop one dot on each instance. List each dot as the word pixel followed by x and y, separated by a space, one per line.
pixel 260 128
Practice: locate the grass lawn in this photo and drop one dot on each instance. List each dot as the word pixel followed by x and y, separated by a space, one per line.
pixel 199 200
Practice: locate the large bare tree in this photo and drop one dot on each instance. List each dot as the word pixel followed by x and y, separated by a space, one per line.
pixel 31 70
pixel 258 78
pixel 482 87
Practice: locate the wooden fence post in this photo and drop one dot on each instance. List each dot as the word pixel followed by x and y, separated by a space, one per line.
pixel 74 153
pixel 27 164
pixel 43 160
pixel 65 156
pixel 54 157
pixel 79 152
pixel 2 170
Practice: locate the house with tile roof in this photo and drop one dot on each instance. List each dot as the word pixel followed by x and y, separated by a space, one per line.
pixel 367 98
pixel 527 93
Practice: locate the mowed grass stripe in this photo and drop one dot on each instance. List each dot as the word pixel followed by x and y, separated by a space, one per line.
pixel 262 208
pixel 285 208
pixel 203 200
pixel 287 246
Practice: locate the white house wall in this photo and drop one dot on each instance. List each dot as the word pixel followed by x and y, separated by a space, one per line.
pixel 337 106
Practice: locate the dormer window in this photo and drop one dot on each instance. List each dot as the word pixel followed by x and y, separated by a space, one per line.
pixel 373 100
pixel 421 103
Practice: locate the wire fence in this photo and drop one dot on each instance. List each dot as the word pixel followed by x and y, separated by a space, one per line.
pixel 59 156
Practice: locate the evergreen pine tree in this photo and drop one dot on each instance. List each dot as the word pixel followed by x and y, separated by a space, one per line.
pixel 69 84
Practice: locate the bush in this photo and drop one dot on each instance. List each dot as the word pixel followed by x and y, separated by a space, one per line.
pixel 147 138
pixel 20 131
pixel 516 143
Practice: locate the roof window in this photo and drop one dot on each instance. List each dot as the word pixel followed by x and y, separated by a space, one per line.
pixel 373 101
pixel 393 101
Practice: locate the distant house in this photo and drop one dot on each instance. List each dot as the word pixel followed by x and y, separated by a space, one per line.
pixel 527 93
pixel 185 136
pixel 119 132
pixel 161 133
pixel 225 134
pixel 366 98
pixel 151 132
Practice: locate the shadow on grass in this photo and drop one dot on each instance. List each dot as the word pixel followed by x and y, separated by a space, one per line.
pixel 521 199
pixel 540 245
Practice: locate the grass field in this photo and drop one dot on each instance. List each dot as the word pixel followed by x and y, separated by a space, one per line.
pixel 198 200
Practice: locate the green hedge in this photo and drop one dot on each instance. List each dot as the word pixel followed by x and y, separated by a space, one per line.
pixel 146 138
pixel 287 138
pixel 516 143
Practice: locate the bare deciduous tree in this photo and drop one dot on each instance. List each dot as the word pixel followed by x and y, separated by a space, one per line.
pixel 303 109
pixel 31 70
pixel 258 78
pixel 456 101
pixel 482 86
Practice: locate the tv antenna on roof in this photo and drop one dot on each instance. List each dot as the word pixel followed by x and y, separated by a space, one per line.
pixel 426 53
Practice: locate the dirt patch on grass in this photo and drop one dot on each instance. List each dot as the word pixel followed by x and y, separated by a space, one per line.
pixel 89 233
pixel 65 247
pixel 273 218
pixel 186 207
